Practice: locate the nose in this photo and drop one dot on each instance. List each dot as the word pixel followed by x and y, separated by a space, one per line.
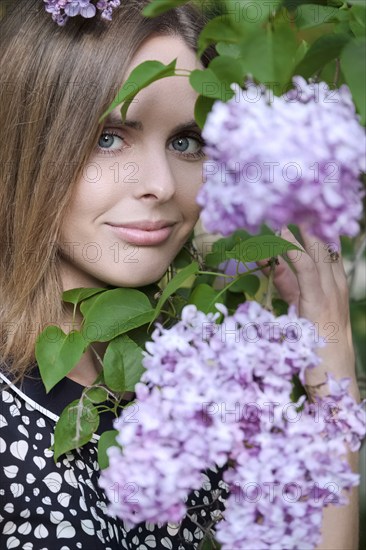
pixel 156 181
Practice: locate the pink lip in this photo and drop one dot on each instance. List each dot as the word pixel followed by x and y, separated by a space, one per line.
pixel 144 233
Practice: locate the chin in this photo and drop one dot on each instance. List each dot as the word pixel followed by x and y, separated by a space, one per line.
pixel 136 279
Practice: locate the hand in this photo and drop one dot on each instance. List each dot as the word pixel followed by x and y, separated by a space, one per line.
pixel 318 288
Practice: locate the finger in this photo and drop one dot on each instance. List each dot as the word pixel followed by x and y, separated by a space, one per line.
pixel 286 283
pixel 318 250
pixel 325 253
pixel 284 280
pixel 305 269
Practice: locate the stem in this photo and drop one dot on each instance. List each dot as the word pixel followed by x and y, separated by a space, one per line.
pixel 78 419
pixel 185 70
pixel 97 355
pixel 206 531
pixel 74 314
pixel 218 274
pixel 268 299
pixel 104 409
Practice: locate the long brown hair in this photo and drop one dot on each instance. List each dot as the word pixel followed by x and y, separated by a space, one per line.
pixel 55 84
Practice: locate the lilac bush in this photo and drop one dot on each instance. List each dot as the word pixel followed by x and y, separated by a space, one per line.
pixel 279 160
pixel 216 394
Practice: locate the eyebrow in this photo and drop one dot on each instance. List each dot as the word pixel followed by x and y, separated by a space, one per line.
pixel 112 118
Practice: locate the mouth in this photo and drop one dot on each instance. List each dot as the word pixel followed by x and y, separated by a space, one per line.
pixel 144 233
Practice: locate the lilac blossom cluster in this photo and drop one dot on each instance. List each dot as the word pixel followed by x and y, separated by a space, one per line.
pixel 279 160
pixel 61 10
pixel 177 434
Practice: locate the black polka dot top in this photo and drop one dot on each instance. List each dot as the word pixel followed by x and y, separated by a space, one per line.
pixel 60 506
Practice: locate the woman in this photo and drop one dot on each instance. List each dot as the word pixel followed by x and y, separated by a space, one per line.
pixel 91 205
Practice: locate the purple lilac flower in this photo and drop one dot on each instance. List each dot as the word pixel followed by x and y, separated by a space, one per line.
pixel 344 417
pixel 277 496
pixel 204 400
pixel 61 10
pixel 290 159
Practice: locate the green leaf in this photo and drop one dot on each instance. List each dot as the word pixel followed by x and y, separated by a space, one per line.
pixel 76 295
pixel 57 354
pixel 297 389
pixel 67 437
pixel 353 63
pixel 356 2
pixel 106 440
pixel 228 243
pixel 270 55
pixel 260 248
pixel 156 7
pixel 246 283
pixel 114 312
pixel 233 300
pixel 358 13
pixel 97 395
pixel 206 83
pixel 301 51
pixel 293 4
pixel 138 335
pixel 99 379
pixel 321 52
pixel 132 358
pixel 357 29
pixel 202 296
pixel 249 13
pixel 202 107
pixel 123 364
pixel 229 50
pixel 218 29
pixel 228 70
pixel 113 367
pixel 150 291
pixel 312 15
pixel 280 307
pixel 174 284
pixel 200 279
pixel 327 75
pixel 182 259
pixel 209 543
pixel 140 77
pixel 219 248
pixel 179 301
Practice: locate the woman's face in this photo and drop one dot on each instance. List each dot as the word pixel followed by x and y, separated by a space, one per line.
pixel 134 206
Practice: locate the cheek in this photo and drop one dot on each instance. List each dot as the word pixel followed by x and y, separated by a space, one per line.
pixel 89 199
pixel 188 206
pixel 190 183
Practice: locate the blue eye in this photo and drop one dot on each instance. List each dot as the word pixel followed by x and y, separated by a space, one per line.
pixel 183 144
pixel 186 146
pixel 107 140
pixel 189 146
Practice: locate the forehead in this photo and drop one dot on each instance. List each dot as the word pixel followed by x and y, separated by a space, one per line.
pixel 165 49
pixel 167 96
